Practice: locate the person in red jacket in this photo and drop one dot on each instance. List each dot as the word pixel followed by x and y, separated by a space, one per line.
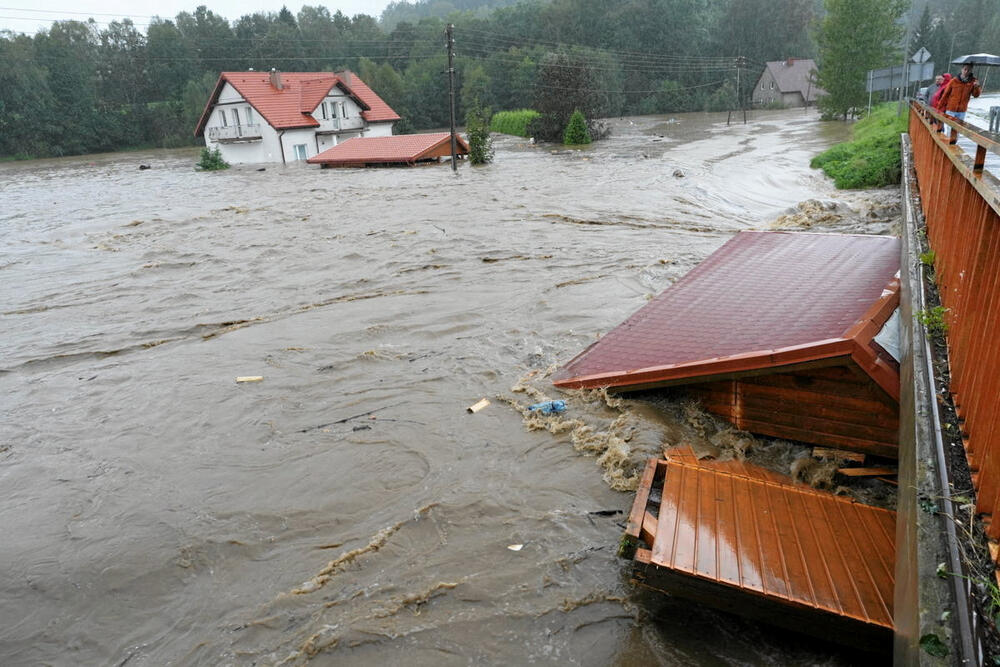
pixel 941 85
pixel 955 98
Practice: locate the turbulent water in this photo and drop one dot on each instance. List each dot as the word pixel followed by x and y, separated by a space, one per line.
pixel 347 509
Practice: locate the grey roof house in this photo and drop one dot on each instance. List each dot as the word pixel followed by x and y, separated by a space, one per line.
pixel 792 83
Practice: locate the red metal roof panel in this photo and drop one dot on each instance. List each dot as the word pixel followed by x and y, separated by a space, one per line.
pixel 749 534
pixel 759 293
pixel 399 148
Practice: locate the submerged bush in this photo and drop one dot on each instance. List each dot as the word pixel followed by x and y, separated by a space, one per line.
pixel 478 131
pixel 872 159
pixel 513 122
pixel 576 130
pixel 211 160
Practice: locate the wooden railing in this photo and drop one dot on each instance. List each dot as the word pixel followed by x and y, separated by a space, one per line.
pixel 961 205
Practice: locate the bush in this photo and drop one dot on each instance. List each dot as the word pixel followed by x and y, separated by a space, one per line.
pixel 513 122
pixel 211 160
pixel 478 131
pixel 576 130
pixel 872 159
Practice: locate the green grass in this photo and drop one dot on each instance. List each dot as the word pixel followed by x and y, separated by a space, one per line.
pixel 513 122
pixel 872 158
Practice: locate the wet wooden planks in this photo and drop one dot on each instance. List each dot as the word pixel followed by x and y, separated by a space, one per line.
pixel 742 538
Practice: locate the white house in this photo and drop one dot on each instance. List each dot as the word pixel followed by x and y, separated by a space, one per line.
pixel 790 83
pixel 255 117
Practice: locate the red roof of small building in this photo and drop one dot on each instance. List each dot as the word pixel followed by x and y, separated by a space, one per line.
pixel 403 148
pixel 764 299
pixel 300 94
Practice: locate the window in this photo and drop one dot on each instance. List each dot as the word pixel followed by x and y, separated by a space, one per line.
pixel 762 84
pixel 343 110
pixel 236 117
pixel 323 107
pixel 333 109
pixel 300 151
pixel 249 116
pixel 772 85
pixel 222 117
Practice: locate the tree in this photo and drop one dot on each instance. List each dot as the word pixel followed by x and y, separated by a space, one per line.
pixel 576 130
pixel 477 128
pixel 854 37
pixel 565 83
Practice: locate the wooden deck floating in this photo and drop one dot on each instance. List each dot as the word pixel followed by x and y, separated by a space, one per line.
pixel 741 538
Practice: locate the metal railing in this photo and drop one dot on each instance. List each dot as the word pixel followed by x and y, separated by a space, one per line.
pixel 234 133
pixel 961 206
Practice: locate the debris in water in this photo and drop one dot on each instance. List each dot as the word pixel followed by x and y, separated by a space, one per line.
pixel 143 167
pixel 249 378
pixel 678 173
pixel 478 406
pixel 515 547
pixel 548 407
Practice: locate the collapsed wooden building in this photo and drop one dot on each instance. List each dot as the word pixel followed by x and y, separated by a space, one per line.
pixel 777 332
pixel 788 335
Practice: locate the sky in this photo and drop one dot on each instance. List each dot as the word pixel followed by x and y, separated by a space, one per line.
pixel 23 16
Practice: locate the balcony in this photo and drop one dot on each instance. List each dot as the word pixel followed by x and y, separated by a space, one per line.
pixel 234 133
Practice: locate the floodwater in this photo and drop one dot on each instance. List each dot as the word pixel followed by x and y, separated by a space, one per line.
pixel 347 509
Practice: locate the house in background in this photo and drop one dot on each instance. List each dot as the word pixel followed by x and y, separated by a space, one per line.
pixel 791 83
pixel 255 117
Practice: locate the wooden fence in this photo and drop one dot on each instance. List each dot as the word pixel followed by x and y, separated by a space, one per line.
pixel 961 205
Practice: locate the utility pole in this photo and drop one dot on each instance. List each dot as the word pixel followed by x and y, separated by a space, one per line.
pixel 451 93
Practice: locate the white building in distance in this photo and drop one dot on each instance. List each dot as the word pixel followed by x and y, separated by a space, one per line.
pixel 259 117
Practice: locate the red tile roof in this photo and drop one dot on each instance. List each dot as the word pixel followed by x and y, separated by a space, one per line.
pixel 764 299
pixel 382 150
pixel 301 93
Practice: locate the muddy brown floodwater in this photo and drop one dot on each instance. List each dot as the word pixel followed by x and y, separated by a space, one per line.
pixel 347 509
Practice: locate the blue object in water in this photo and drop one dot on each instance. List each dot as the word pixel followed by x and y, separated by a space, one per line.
pixel 549 407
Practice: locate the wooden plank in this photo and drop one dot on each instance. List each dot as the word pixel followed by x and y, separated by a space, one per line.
pixel 648 531
pixel 844 398
pixel 635 517
pixel 663 549
pixel 688 524
pixel 831 439
pixel 804 420
pixel 751 564
pixel 857 411
pixel 726 521
pixel 866 472
pixel 706 559
pixel 837 454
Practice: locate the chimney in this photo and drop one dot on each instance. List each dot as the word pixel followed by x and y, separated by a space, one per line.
pixel 276 79
pixel 789 62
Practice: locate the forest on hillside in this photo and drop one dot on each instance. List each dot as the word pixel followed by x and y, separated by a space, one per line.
pixel 88 86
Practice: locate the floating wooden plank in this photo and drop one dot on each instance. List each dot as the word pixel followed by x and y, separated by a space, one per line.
pixel 840 454
pixel 737 537
pixel 867 472
pixel 476 407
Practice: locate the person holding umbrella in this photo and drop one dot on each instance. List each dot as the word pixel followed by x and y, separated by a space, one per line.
pixel 954 99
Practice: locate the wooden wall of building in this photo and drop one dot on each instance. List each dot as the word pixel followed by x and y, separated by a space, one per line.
pixel 837 406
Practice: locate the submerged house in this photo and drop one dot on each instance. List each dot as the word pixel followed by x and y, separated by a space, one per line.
pixel 257 117
pixel 791 83
pixel 783 334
